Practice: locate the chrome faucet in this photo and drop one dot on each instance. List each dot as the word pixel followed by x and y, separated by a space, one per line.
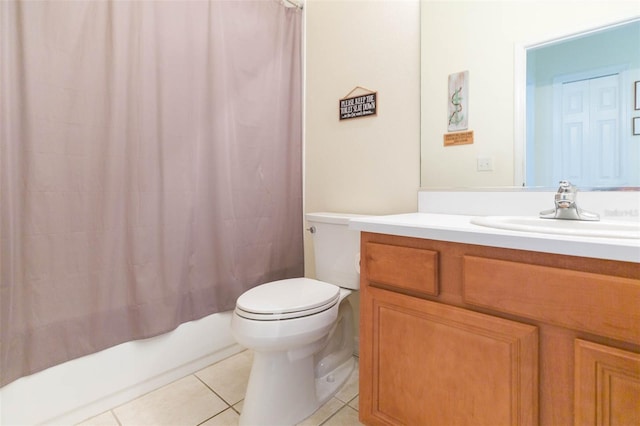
pixel 566 207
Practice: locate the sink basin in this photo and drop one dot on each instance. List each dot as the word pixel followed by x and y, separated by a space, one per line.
pixel 601 229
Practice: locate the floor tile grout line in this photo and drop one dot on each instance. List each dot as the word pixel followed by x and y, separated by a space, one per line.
pixel 113 410
pixel 353 399
pixel 333 414
pixel 235 409
pixel 206 420
pixel 113 413
pixel 122 404
pixel 219 396
pixel 215 415
pixel 214 392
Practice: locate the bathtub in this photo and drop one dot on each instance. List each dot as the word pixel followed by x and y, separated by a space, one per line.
pixel 75 390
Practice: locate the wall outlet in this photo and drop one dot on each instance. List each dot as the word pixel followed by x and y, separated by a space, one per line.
pixel 484 164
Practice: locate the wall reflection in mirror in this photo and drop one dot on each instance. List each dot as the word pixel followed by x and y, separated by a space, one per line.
pixel 580 105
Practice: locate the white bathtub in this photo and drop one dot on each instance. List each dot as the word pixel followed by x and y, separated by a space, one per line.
pixel 71 392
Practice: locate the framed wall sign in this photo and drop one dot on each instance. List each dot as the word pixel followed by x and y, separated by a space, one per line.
pixel 363 105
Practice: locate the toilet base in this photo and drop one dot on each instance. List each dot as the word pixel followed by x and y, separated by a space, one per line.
pixel 274 400
pixel 327 386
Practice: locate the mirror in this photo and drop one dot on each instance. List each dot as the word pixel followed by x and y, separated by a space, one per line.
pixel 579 104
pixel 491 40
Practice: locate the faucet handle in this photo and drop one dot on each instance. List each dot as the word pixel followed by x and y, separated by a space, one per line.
pixel 566 186
pixel 566 195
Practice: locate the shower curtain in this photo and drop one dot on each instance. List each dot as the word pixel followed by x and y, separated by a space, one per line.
pixel 150 167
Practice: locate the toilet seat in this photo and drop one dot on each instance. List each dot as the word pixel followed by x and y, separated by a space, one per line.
pixel 287 299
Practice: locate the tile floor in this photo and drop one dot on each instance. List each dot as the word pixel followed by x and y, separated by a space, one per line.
pixel 213 397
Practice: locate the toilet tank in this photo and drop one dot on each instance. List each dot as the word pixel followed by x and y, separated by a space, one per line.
pixel 337 249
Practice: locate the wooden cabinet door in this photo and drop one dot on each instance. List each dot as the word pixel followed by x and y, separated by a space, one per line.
pixel 426 363
pixel 607 385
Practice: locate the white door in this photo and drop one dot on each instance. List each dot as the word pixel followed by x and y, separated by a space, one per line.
pixel 591 148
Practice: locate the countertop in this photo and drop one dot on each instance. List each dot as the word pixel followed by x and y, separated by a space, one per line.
pixel 459 229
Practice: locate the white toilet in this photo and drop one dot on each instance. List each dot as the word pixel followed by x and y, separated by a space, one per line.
pixel 301 330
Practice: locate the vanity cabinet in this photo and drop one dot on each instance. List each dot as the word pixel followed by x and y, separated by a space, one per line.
pixel 459 334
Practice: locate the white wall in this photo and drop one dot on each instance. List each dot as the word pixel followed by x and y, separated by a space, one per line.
pixel 480 36
pixel 370 164
pixel 365 165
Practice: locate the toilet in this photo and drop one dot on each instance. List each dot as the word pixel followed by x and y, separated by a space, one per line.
pixel 301 330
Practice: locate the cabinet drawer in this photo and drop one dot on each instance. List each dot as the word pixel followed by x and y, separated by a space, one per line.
pixel 403 267
pixel 594 303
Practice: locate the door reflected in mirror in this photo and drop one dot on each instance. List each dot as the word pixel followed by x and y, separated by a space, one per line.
pixel 580 106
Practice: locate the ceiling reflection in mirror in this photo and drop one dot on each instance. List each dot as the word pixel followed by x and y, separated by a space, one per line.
pixel 581 95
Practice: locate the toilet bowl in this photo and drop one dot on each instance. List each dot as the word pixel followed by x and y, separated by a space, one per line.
pixel 301 330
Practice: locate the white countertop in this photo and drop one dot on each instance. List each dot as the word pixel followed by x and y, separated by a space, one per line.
pixel 459 229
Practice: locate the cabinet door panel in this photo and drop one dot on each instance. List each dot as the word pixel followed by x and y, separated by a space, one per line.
pixel 433 364
pixel 607 385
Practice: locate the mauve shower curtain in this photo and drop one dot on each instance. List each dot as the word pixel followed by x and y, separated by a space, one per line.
pixel 150 167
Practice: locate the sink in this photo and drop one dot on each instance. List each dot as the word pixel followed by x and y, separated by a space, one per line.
pixel 601 229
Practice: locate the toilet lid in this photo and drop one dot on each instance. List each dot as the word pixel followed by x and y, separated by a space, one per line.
pixel 291 298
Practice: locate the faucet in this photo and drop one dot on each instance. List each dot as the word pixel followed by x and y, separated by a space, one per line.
pixel 566 207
